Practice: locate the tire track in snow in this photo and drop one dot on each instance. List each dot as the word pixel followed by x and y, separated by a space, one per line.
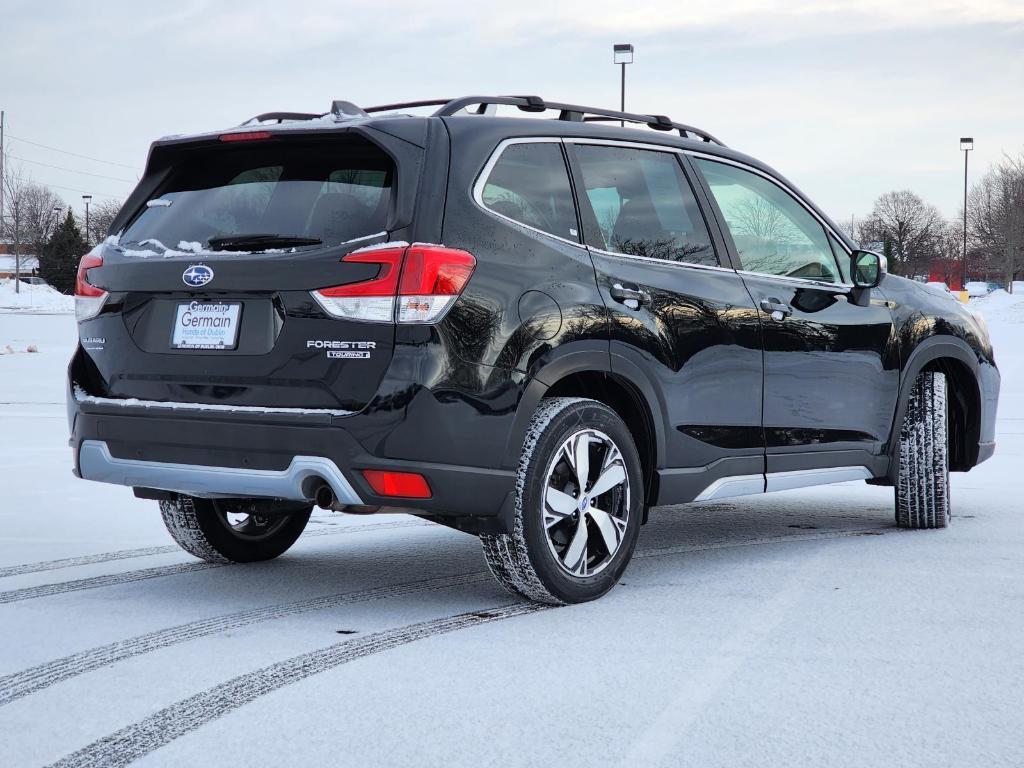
pixel 145 736
pixel 71 562
pixel 95 582
pixel 124 554
pixel 19 684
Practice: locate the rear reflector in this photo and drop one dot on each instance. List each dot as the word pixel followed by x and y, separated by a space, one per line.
pixel 407 485
pixel 424 279
pixel 246 136
pixel 89 299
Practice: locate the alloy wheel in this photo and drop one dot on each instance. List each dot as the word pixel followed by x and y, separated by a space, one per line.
pixel 586 502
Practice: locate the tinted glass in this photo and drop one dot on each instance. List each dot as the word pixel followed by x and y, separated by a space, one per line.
pixel 644 205
pixel 530 184
pixel 331 191
pixel 773 233
pixel 842 257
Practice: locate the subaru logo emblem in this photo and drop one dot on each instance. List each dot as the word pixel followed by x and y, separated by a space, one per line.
pixel 197 275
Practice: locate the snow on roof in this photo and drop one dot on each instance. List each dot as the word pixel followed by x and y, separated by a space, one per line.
pixel 28 262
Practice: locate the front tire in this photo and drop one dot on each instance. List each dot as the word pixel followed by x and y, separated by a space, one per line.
pixel 922 485
pixel 213 531
pixel 578 505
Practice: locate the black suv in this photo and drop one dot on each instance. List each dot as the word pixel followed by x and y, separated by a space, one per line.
pixel 531 330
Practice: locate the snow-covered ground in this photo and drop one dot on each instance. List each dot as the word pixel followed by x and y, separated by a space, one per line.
pixel 797 628
pixel 33 298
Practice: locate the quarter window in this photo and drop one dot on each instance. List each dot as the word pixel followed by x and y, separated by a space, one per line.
pixel 644 205
pixel 530 184
pixel 773 233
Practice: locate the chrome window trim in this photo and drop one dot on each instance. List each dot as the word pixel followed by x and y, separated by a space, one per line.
pixel 481 182
pixel 630 144
pixel 649 259
pixel 485 172
pixel 803 281
pixel 846 287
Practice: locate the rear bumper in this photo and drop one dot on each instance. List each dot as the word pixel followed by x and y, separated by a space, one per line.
pixel 298 482
pixel 264 455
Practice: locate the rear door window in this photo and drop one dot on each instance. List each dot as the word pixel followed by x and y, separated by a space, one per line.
pixel 644 205
pixel 529 183
pixel 328 191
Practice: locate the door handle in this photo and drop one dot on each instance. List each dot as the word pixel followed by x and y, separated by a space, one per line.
pixel 631 297
pixel 777 309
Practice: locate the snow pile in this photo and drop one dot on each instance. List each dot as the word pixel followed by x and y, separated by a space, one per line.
pixel 1000 306
pixel 33 298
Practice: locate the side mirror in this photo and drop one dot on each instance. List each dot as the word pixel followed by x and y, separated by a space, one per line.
pixel 867 269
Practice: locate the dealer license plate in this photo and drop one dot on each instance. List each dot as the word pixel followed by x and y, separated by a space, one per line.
pixel 206 325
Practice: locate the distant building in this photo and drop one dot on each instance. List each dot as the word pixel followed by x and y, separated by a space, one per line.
pixel 29 265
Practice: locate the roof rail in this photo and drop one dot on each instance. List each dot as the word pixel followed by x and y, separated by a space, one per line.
pixel 535 104
pixel 575 113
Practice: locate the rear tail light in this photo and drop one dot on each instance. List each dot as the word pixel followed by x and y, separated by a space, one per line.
pixel 415 284
pixel 408 485
pixel 89 299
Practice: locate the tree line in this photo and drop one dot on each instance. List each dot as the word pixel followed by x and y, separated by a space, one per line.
pixel 916 238
pixel 36 221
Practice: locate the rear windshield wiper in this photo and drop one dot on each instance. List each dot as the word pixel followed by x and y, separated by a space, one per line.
pixel 257 241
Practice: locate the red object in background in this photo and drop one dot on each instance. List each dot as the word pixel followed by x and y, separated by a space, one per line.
pixel 948 271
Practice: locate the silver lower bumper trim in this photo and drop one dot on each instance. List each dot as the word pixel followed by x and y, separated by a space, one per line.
pixel 748 485
pixel 298 482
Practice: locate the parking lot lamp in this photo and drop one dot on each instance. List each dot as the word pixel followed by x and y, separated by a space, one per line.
pixel 623 56
pixel 966 144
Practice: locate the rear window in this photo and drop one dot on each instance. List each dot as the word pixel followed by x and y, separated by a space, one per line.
pixel 328 191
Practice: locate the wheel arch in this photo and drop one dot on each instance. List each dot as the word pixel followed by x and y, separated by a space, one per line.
pixel 954 358
pixel 585 374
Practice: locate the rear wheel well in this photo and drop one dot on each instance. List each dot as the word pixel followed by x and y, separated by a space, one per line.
pixel 627 402
pixel 964 403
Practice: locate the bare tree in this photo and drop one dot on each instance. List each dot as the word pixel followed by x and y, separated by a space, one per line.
pixel 31 215
pixel 758 218
pixel 995 215
pixel 909 226
pixel 102 216
pixel 11 222
pixel 43 211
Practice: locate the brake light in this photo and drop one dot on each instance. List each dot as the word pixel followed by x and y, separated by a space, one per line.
pixel 415 284
pixel 432 279
pixel 246 136
pixel 89 299
pixel 408 485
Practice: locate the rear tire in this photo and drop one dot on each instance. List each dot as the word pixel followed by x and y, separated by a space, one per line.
pixel 922 485
pixel 209 530
pixel 578 506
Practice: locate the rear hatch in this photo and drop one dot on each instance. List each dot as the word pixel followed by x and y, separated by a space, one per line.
pixel 210 283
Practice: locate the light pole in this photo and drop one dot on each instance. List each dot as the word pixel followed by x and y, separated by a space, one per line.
pixel 966 144
pixel 87 199
pixel 623 56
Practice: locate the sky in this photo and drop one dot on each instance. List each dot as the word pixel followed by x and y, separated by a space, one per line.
pixel 847 98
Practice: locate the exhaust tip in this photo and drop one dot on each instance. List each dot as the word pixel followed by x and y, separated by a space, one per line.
pixel 324 497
